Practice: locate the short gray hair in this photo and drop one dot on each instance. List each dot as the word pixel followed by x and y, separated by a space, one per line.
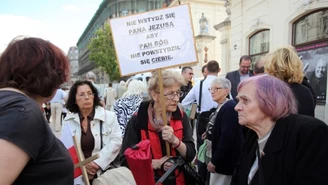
pixel 91 76
pixel 222 82
pixel 169 77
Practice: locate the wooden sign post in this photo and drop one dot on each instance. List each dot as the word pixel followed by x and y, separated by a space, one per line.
pixel 161 91
pixel 82 162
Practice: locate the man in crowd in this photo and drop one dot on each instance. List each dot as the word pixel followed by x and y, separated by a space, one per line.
pixel 202 96
pixel 259 68
pixel 57 108
pixel 187 74
pixel 239 75
pixel 91 76
pixel 204 71
pixel 109 96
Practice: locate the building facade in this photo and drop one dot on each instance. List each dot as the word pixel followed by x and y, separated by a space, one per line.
pixel 73 56
pixel 256 27
pixel 108 9
pixel 205 15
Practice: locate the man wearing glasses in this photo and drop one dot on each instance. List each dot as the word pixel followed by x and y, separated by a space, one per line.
pixel 187 74
pixel 240 74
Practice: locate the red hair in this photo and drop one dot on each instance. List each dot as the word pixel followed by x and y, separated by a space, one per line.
pixel 34 66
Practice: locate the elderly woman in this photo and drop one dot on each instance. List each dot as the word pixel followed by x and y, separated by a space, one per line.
pixel 129 103
pixel 96 128
pixel 224 133
pixel 148 124
pixel 31 71
pixel 285 64
pixel 281 147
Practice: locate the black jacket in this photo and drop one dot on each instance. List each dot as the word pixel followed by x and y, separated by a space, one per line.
pixel 304 98
pixel 234 78
pixel 227 139
pixel 296 153
pixel 185 89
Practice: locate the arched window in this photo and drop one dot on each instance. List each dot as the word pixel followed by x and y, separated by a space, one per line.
pixel 259 45
pixel 310 38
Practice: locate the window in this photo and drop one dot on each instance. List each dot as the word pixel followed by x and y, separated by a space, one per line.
pixel 311 28
pixel 310 38
pixel 259 45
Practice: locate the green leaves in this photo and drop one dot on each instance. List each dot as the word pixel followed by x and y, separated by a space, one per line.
pixel 102 52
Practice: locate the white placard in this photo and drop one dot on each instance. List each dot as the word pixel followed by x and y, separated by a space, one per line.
pixel 153 40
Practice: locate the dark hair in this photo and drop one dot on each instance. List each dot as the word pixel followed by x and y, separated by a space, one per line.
pixel 259 67
pixel 71 101
pixel 245 57
pixel 203 68
pixel 213 66
pixel 110 84
pixel 34 66
pixel 185 68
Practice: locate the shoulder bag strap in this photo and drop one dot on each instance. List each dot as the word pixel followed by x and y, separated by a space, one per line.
pixel 101 139
pixel 200 95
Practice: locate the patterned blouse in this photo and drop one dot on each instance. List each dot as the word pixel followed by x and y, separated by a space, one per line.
pixel 125 107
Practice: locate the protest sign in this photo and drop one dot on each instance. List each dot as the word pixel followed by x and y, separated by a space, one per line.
pixel 154 40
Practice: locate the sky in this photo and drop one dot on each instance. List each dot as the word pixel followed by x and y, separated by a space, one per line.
pixel 62 22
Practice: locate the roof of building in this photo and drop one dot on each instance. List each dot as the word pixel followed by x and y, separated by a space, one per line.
pixel 93 20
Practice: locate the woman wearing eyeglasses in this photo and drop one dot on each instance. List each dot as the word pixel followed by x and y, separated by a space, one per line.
pixel 147 123
pixel 224 135
pixel 96 128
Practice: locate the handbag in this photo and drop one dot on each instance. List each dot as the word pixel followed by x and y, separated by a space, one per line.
pixel 116 176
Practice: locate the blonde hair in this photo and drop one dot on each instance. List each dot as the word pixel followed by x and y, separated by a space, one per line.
pixel 284 63
pixel 170 77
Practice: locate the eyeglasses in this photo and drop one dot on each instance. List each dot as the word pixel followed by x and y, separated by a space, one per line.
pixel 172 95
pixel 87 95
pixel 215 89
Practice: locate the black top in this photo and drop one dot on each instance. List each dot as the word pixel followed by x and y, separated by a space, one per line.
pixel 304 98
pixel 295 154
pixel 23 124
pixel 185 89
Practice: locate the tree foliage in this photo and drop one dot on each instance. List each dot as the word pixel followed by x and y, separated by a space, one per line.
pixel 102 52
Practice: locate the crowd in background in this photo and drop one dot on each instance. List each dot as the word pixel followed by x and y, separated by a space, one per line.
pixel 251 127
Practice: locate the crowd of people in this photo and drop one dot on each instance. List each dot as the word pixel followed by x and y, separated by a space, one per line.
pixel 251 127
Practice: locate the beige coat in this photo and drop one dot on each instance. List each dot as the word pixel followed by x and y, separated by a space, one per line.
pixel 110 95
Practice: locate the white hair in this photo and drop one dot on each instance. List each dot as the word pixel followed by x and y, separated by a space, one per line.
pixel 122 83
pixel 135 87
pixel 91 76
pixel 222 82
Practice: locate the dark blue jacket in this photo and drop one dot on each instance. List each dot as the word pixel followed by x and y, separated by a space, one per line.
pixel 227 139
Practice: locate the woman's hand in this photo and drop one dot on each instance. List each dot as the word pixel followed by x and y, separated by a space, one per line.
pixel 157 163
pixel 168 134
pixel 204 136
pixel 92 168
pixel 167 166
pixel 211 167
